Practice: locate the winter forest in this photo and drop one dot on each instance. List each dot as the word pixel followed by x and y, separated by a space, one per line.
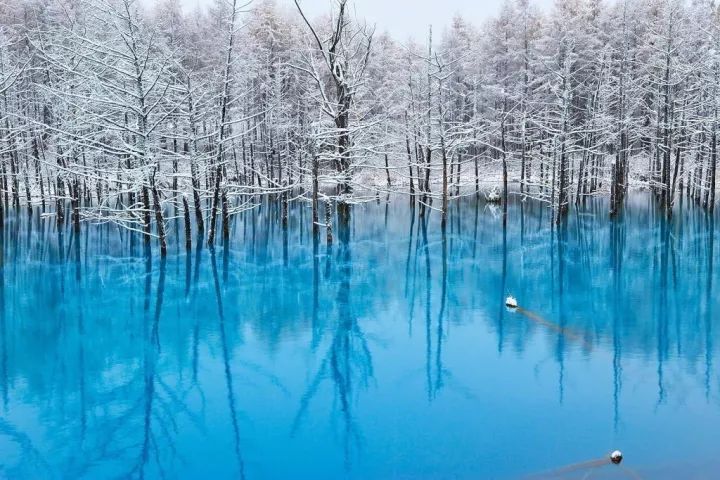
pixel 114 112
pixel 248 241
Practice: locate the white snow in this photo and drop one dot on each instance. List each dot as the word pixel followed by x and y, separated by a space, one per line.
pixel 493 197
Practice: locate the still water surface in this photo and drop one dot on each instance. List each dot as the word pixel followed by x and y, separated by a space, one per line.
pixel 388 355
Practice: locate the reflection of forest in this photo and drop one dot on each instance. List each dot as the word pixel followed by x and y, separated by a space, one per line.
pixel 105 343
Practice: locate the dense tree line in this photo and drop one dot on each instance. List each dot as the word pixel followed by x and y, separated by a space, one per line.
pixel 115 112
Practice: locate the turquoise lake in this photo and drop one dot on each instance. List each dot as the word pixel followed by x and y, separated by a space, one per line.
pixel 389 355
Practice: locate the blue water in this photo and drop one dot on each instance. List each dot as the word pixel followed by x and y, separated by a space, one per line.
pixel 388 355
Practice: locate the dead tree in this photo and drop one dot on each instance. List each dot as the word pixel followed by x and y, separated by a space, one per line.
pixel 346 65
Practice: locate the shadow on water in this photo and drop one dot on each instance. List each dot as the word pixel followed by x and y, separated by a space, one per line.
pixel 211 362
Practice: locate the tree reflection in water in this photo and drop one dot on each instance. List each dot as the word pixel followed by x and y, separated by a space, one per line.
pixel 116 363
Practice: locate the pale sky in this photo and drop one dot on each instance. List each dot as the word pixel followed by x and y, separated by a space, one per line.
pixel 401 18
